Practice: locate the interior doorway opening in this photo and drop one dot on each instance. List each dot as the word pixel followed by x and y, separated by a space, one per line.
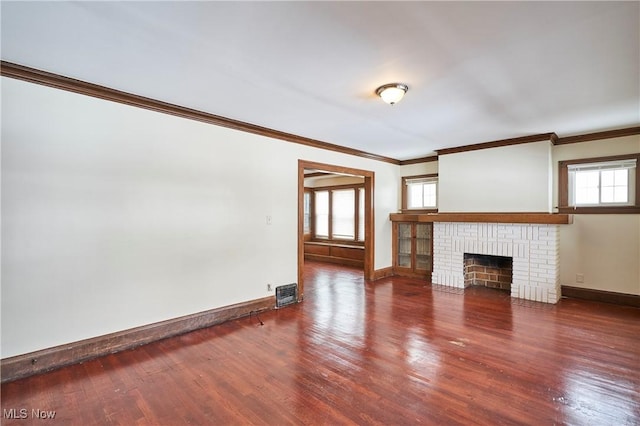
pixel 335 217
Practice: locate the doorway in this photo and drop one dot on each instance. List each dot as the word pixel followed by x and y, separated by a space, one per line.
pixel 369 177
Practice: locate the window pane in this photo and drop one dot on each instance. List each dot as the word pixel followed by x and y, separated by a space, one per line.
pixel 592 195
pixel 621 177
pixel 607 194
pixel 361 214
pixel 587 189
pixel 607 177
pixel 621 195
pixel 422 195
pixel 614 186
pixel 307 212
pixel 429 194
pixel 404 245
pixel 322 213
pixel 621 186
pixel 587 179
pixel 343 214
pixel 414 192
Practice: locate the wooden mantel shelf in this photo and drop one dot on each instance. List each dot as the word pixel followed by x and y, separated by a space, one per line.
pixel 534 218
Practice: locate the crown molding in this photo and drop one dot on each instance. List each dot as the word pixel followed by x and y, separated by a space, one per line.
pixel 419 160
pixel 608 134
pixel 45 78
pixel 503 142
pixel 555 140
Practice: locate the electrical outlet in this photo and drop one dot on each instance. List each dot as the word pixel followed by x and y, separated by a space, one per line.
pixel 579 278
pixel 269 219
pixel 269 288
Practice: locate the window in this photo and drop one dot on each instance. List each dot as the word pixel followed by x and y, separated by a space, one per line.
pixel 420 192
pixel 321 213
pixel 307 213
pixel 599 185
pixel 343 214
pixel 360 214
pixel 338 213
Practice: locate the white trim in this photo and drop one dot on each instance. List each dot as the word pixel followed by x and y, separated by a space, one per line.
pixel 606 165
pixel 420 180
pixel 629 164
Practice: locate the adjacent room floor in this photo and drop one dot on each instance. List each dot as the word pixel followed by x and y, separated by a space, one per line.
pixel 395 351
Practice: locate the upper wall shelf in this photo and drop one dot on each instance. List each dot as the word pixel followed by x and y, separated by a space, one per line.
pixel 534 218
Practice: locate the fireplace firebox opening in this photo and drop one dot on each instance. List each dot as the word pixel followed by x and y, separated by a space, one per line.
pixel 488 271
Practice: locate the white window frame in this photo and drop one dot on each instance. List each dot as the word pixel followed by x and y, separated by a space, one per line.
pixel 625 164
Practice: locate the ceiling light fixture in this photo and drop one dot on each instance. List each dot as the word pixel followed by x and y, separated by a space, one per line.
pixel 392 92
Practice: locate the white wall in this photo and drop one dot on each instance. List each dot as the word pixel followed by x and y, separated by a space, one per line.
pixel 115 217
pixel 419 169
pixel 605 248
pixel 331 180
pixel 515 178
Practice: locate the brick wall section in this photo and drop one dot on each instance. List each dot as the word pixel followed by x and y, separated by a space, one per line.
pixel 534 248
pixel 488 271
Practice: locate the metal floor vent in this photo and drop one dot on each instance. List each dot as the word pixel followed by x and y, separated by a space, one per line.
pixel 286 295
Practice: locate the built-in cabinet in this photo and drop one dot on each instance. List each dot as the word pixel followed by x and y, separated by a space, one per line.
pixel 413 249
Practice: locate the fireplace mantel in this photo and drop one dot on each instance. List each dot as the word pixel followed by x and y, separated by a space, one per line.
pixel 532 218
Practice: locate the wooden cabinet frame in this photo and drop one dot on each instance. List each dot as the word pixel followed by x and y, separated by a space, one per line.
pixel 413 269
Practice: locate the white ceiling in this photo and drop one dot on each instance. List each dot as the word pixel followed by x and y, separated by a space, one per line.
pixel 476 71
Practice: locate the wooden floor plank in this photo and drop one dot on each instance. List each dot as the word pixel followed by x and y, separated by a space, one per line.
pixel 395 351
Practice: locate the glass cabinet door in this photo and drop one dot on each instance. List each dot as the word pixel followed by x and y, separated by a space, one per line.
pixel 423 246
pixel 404 245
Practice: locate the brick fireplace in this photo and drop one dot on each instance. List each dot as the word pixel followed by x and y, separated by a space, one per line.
pixel 534 249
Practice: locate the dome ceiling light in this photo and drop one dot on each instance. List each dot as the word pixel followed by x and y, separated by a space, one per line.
pixel 392 92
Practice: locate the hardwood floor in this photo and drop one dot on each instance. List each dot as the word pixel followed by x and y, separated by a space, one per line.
pixel 390 352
